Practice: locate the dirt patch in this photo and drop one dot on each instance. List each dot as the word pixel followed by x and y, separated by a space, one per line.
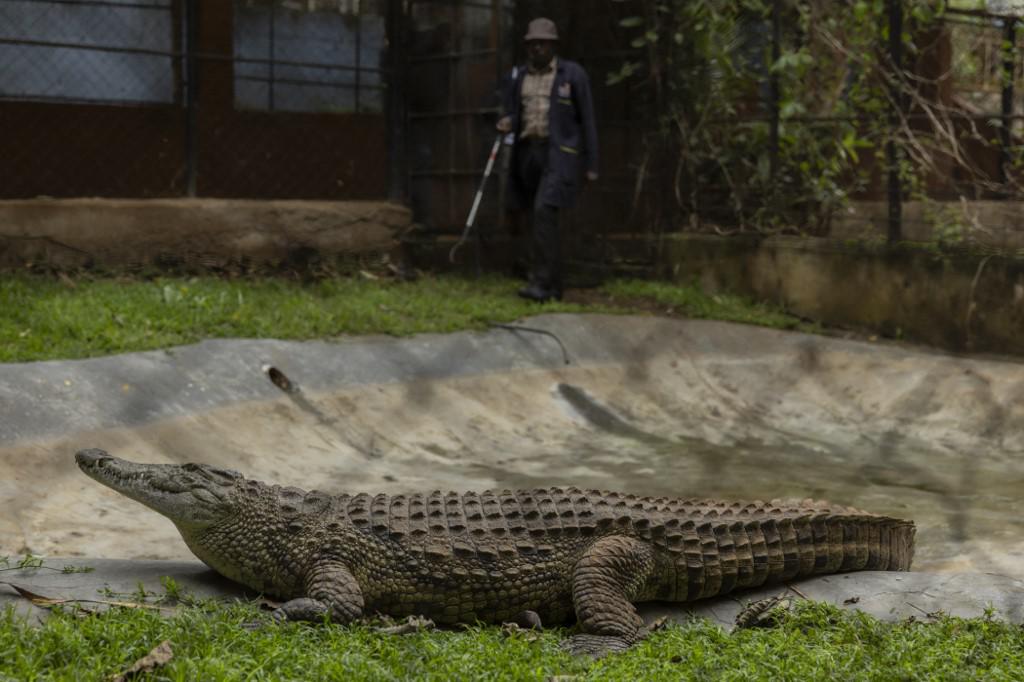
pixel 635 304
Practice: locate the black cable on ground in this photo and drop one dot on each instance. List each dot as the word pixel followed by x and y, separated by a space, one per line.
pixel 534 330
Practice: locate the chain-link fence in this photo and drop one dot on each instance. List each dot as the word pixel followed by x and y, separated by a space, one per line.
pixel 720 117
pixel 889 120
pixel 822 118
pixel 150 98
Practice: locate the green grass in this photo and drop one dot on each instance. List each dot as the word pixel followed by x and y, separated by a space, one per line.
pixel 44 318
pixel 692 302
pixel 818 642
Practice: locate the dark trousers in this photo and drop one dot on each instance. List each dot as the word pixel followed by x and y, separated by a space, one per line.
pixel 545 241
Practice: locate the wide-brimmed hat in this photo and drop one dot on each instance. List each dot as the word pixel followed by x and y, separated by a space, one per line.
pixel 541 29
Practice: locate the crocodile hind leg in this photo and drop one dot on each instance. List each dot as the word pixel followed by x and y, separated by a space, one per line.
pixel 605 581
pixel 331 590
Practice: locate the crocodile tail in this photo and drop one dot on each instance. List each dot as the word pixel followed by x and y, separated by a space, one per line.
pixel 901 554
pixel 893 550
pixel 759 543
pixel 832 542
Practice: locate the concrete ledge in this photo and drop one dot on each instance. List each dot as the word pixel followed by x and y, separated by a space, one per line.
pixel 958 301
pixel 110 580
pixel 199 233
pixel 888 596
pixel 984 224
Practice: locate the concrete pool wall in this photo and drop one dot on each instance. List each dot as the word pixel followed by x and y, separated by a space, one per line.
pixel 958 300
pixel 645 405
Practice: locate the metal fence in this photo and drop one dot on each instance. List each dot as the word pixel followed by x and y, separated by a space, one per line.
pixel 950 130
pixel 980 87
pixel 951 83
pixel 352 99
pixel 150 98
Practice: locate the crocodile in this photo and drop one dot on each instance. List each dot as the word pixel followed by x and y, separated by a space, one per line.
pixel 492 556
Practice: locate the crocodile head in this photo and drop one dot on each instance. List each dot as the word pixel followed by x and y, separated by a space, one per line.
pixel 193 496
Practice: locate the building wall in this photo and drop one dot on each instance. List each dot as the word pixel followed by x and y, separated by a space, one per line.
pixel 96 100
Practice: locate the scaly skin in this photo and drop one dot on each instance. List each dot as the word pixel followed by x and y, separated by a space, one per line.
pixel 463 558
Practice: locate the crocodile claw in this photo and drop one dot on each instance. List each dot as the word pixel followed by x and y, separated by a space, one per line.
pixel 303 608
pixel 409 625
pixel 595 646
pixel 528 620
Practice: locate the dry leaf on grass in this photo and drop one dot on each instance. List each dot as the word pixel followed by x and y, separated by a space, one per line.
pixel 159 656
pixel 45 602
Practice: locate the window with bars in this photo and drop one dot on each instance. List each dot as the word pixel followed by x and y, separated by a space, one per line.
pixel 309 56
pixel 100 51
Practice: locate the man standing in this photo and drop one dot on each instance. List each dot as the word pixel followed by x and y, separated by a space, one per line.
pixel 551 113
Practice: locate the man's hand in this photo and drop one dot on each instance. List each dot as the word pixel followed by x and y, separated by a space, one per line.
pixel 591 176
pixel 504 124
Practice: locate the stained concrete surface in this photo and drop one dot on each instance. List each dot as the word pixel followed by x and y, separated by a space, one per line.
pixel 646 405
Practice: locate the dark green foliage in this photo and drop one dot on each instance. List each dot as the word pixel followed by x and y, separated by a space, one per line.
pixel 715 84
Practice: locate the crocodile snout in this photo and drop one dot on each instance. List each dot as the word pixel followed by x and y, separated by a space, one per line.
pixel 91 457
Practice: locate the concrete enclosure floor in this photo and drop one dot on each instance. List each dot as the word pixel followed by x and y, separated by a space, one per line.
pixel 645 405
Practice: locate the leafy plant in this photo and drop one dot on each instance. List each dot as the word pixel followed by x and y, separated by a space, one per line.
pixel 749 133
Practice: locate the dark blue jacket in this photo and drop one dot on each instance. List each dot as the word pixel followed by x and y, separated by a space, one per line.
pixel 572 130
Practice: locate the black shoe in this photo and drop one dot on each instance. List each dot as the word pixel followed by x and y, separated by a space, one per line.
pixel 539 294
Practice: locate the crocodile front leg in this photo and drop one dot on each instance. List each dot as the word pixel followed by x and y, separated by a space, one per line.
pixel 606 580
pixel 330 590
